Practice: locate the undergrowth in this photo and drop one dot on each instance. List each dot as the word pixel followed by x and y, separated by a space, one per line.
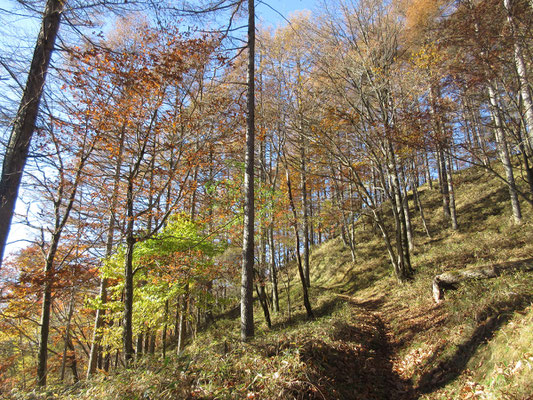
pixel 373 338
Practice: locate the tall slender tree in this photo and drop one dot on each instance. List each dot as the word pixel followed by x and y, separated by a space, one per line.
pixel 247 312
pixel 24 124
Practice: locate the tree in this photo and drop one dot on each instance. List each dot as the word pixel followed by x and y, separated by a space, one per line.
pixel 24 123
pixel 503 150
pixel 247 313
pixel 142 84
pixel 70 174
pixel 521 69
pixel 356 60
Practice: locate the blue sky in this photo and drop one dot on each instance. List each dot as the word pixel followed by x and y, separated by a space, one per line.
pixel 284 7
pixel 20 33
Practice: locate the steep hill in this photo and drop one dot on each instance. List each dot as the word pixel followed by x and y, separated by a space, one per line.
pixel 373 338
pixel 477 342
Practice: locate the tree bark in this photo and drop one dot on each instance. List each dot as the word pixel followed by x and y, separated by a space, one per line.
pixel 62 211
pixel 407 212
pixel 164 337
pixel 273 271
pixel 49 272
pixel 127 334
pixel 261 294
pixel 444 188
pixel 305 207
pixel 402 243
pixel 247 312
pixel 441 158
pixel 448 280
pixel 147 341
pixel 74 363
pixel 181 321
pixel 139 346
pixel 45 328
pixel 526 158
pixel 420 208
pixel 428 171
pixel 153 338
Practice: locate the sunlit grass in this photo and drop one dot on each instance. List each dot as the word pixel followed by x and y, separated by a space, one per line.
pixel 476 344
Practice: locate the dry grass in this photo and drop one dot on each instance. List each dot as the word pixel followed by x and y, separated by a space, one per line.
pixel 374 338
pixel 463 348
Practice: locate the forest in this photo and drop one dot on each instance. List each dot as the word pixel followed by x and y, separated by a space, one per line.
pixel 338 207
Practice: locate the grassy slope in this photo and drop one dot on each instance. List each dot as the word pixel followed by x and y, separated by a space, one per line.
pixel 477 344
pixel 374 338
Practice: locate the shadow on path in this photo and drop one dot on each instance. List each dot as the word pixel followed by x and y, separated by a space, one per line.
pixel 355 360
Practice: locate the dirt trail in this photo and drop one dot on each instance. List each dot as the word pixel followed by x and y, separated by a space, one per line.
pixel 359 363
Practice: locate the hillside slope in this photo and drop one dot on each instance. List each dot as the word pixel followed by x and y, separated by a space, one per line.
pixel 477 343
pixel 373 338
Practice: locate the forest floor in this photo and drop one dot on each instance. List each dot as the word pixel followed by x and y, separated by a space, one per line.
pixel 376 338
pixel 363 363
pixel 372 338
pixel 477 343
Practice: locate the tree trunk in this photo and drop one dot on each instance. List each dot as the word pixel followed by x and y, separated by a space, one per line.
pixel 288 288
pixel 407 212
pixel 73 363
pixel 45 328
pixel 441 159
pixel 147 341
pixel 45 310
pixel 127 333
pixel 273 272
pixel 402 243
pixel 421 210
pixel 318 211
pixel 139 347
pixel 444 188
pixel 388 245
pixel 62 212
pixel 501 142
pixel 24 124
pixel 107 361
pixel 100 312
pixel 67 337
pixel 247 311
pixel 307 304
pixel 312 233
pixel 164 337
pixel 448 280
pixel 261 294
pixel 305 207
pixel 153 338
pixel 351 222
pixel 522 74
pixel 451 194
pixel 526 158
pixel 428 171
pixel 181 324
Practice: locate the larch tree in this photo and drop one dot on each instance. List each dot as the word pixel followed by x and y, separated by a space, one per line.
pixel 364 41
pixel 247 313
pixel 18 146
